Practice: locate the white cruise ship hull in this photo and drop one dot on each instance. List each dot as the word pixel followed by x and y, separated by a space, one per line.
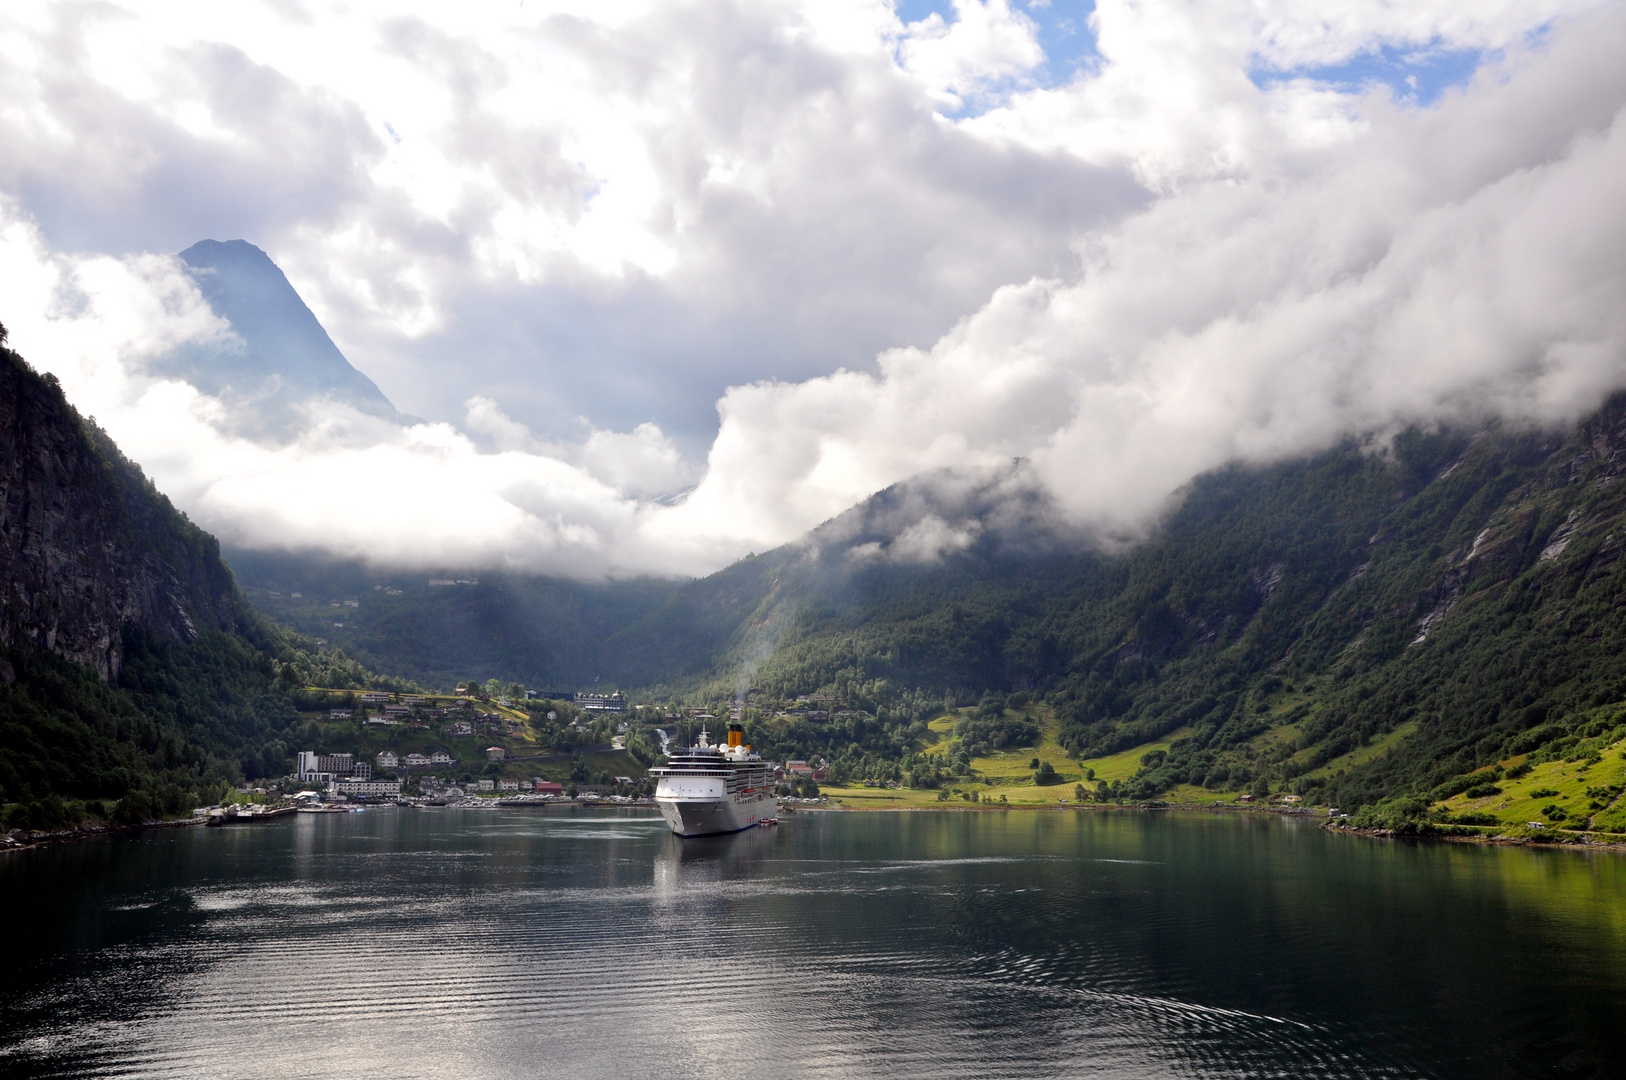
pixel 701 816
pixel 709 790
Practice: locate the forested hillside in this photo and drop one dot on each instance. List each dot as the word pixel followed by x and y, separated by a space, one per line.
pixel 543 632
pixel 1454 600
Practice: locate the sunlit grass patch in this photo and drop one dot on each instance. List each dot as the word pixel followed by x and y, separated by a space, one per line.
pixel 1123 765
pixel 1558 794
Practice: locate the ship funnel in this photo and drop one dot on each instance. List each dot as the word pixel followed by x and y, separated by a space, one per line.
pixel 736 735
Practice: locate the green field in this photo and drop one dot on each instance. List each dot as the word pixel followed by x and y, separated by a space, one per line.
pixel 1003 777
pixel 1579 791
pixel 1122 765
pixel 1006 777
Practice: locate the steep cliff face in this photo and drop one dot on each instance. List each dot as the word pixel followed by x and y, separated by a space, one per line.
pixel 88 547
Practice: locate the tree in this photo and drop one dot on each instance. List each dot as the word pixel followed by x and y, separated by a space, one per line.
pixel 1045 774
pixel 1078 793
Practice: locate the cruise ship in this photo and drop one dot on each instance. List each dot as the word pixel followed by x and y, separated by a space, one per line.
pixel 706 789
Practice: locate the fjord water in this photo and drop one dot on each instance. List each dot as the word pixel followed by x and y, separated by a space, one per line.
pixel 588 943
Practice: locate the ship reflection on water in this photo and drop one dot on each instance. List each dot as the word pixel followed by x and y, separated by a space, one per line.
pixel 705 862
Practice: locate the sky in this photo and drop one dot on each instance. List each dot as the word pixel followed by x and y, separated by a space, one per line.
pixel 673 282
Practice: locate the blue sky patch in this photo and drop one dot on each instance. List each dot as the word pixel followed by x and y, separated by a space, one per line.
pixel 1416 74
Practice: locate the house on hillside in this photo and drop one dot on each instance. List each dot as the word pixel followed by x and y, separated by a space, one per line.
pixel 415 761
pixel 496 753
pixel 387 759
pixel 439 756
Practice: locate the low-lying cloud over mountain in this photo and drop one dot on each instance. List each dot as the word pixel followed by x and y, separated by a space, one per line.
pixel 1216 242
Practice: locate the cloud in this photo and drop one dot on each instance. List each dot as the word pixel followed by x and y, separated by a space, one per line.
pixel 604 210
pixel 1159 267
pixel 986 44
pixel 1449 264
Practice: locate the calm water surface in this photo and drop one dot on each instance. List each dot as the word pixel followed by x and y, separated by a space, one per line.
pixel 580 943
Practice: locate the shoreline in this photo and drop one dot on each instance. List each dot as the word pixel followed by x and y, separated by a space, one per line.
pixel 27 840
pixel 1576 841
pixel 21 840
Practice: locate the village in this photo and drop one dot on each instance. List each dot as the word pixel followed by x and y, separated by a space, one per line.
pixel 473 748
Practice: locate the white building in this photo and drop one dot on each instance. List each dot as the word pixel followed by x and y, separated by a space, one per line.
pixel 387 759
pixel 309 769
pixel 415 761
pixel 349 786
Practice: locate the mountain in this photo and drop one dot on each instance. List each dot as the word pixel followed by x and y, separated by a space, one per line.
pixel 279 358
pixel 1355 626
pixel 131 667
pixel 1352 626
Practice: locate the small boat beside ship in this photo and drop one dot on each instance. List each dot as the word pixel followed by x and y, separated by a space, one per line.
pixel 708 790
